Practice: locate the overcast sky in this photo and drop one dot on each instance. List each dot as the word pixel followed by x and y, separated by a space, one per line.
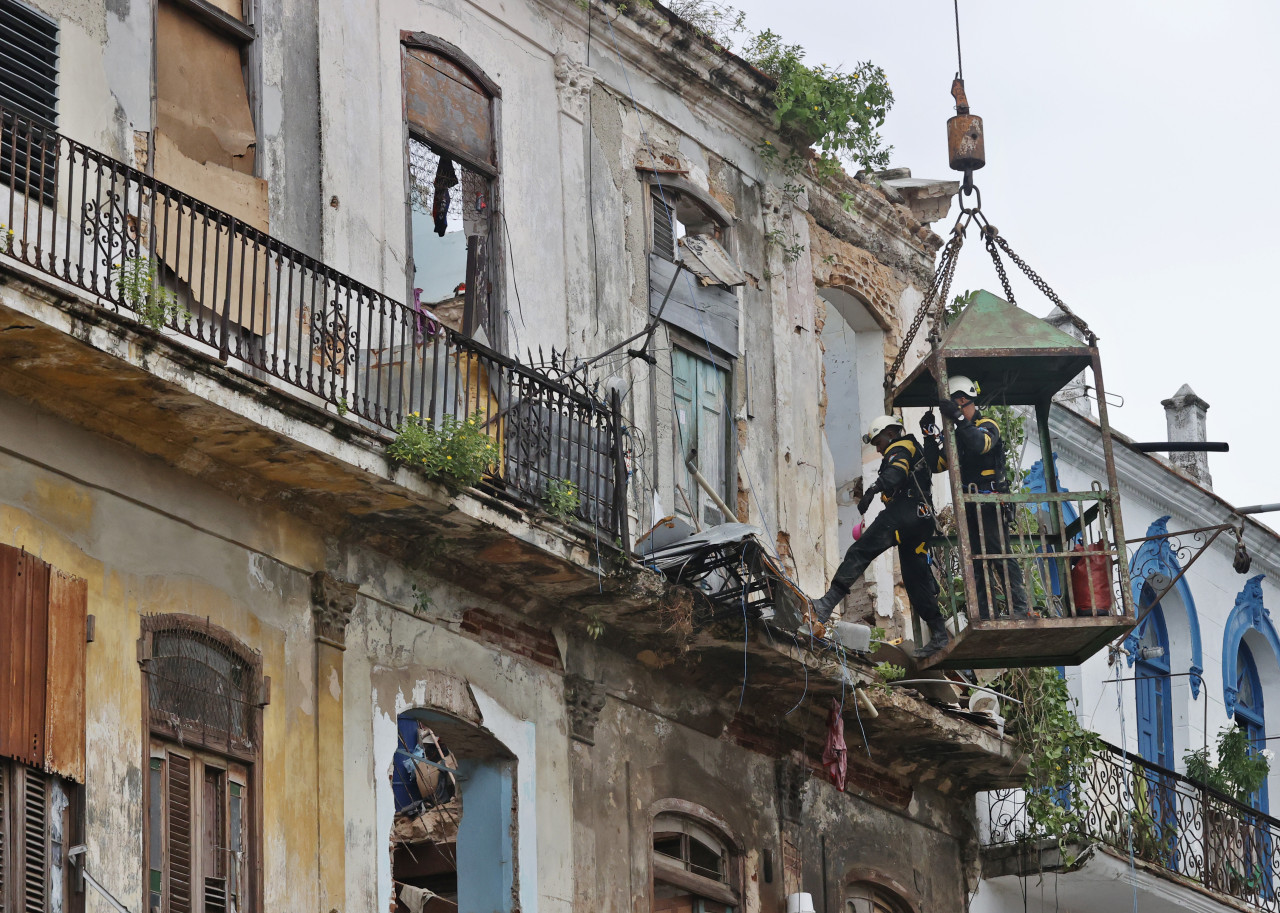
pixel 1131 161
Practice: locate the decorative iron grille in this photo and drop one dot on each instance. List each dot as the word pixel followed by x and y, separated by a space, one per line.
pixel 201 690
pixel 1168 821
pixel 280 317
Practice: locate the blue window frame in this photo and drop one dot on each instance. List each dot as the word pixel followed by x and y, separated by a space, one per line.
pixel 1250 714
pixel 1155 709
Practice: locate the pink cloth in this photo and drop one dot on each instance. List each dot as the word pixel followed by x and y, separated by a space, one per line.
pixel 835 754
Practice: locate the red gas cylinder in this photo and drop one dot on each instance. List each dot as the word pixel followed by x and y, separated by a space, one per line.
pixel 1091 580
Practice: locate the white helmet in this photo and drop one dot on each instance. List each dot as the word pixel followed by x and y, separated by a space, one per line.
pixel 963 385
pixel 878 426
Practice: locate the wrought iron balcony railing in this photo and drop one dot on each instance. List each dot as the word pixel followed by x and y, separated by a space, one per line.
pixel 198 275
pixel 1166 819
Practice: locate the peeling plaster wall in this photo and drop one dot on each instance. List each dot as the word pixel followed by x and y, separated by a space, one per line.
pixel 105 93
pixel 656 742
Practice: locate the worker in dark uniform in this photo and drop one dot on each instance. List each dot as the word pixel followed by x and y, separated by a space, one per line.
pixel 905 484
pixel 982 458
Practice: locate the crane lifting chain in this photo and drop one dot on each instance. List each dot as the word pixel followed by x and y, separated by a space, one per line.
pixel 935 301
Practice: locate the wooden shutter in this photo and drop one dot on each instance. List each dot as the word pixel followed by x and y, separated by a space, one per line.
pixel 5 830
pixel 34 839
pixel 664 231
pixel 42 614
pixel 24 654
pixel 179 836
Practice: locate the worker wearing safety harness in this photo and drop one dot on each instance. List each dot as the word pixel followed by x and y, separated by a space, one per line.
pixel 982 456
pixel 905 484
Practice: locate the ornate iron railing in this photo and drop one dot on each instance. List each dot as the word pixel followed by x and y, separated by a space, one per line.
pixel 199 275
pixel 1166 820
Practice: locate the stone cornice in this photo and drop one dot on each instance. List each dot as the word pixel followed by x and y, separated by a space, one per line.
pixel 737 97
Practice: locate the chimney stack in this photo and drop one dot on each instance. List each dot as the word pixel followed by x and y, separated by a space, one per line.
pixel 1185 414
pixel 1075 394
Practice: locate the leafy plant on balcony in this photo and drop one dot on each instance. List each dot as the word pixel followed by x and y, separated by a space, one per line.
pixel 138 282
pixel 1058 752
pixel 6 239
pixel 457 452
pixel 1240 769
pixel 562 499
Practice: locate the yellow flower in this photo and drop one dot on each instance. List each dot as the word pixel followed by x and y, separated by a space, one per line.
pixel 448 458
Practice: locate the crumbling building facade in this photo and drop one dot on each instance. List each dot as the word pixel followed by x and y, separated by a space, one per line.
pixel 258 664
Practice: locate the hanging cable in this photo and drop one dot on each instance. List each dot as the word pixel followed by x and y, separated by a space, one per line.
pixel 959 60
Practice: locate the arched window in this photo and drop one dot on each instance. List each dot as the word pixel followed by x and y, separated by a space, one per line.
pixel 452 166
pixel 203 692
pixel 1155 709
pixel 695 868
pixel 1250 715
pixel 868 897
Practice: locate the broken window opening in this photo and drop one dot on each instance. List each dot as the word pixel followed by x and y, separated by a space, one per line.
pixel 203 696
pixel 205 144
pixel 449 206
pixel 694 869
pixel 451 171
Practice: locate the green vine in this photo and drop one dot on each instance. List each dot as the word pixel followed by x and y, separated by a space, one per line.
pixel 1057 749
pixel 138 280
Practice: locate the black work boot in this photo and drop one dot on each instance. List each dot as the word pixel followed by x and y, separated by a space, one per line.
pixel 826 604
pixel 939 640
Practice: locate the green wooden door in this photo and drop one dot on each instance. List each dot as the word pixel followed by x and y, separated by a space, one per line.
pixel 702 431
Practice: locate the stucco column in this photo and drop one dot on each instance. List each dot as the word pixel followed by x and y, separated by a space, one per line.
pixel 573 91
pixel 331 604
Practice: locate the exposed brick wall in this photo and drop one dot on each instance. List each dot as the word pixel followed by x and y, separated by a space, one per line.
pixel 513 636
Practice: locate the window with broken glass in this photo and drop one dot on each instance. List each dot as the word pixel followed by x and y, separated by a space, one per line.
pixel 203 697
pixel 694 869
pixel 451 163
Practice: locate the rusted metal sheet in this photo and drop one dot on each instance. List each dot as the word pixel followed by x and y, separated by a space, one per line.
pixel 446 105
pixel 64 741
pixel 24 654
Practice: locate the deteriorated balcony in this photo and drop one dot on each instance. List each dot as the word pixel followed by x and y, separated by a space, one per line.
pixel 270 375
pixel 1141 828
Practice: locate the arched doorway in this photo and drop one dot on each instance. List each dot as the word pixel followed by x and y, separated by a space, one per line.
pixel 452 839
pixel 853 372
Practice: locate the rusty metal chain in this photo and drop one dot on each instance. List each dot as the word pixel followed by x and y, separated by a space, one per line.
pixel 937 296
pixel 1044 288
pixel 991 236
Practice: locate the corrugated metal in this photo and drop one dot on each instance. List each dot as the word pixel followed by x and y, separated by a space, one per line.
pixel 448 106
pixel 24 656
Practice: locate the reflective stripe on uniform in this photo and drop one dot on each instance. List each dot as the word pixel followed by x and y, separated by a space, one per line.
pixel 920 549
pixel 988 472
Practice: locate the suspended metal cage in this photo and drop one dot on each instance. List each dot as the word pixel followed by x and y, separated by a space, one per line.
pixel 1064 550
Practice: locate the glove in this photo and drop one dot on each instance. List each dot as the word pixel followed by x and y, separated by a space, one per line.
pixel 868 496
pixel 928 423
pixel 950 410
